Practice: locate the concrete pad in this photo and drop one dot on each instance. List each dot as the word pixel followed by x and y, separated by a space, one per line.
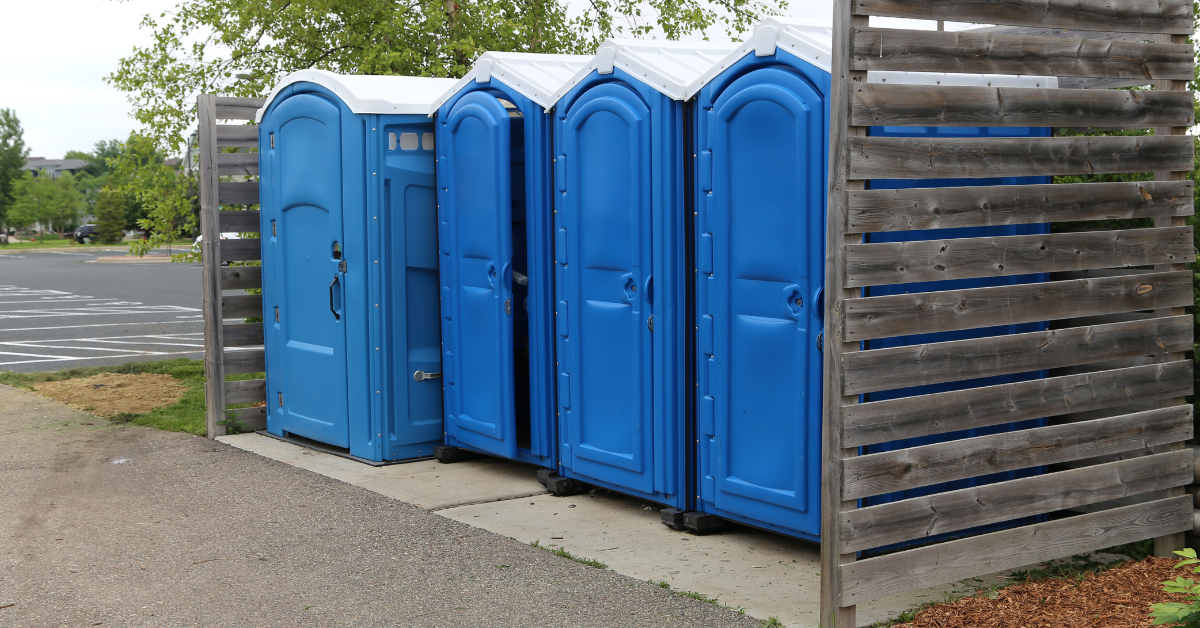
pixel 766 574
pixel 425 483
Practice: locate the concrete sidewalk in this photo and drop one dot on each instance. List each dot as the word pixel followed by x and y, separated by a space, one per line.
pixel 110 525
pixel 767 575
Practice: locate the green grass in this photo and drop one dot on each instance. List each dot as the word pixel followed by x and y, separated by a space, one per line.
pixel 187 415
pixel 562 551
pixel 700 597
pixel 772 622
pixel 50 240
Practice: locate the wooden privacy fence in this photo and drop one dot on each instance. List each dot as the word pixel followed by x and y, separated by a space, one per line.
pixel 1108 371
pixel 223 315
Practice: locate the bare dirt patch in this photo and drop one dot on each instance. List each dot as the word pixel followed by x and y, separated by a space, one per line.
pixel 1117 598
pixel 110 394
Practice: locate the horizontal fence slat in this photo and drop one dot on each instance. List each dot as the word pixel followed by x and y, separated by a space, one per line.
pixel 974 308
pixel 239 221
pixel 873 211
pixel 248 419
pixel 1069 33
pixel 241 277
pixel 241 306
pixel 992 53
pixel 967 258
pixel 242 334
pixel 233 108
pixel 241 250
pixel 942 513
pixel 882 104
pixel 879 577
pixel 924 415
pixel 246 391
pixel 958 360
pixel 924 465
pixel 1083 82
pixel 958 157
pixel 245 361
pixel 1143 16
pixel 237 192
pixel 237 164
pixel 237 136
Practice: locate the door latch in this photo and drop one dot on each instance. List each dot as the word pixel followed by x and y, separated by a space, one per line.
pixel 821 342
pixel 280 400
pixel 342 266
pixel 272 140
pixel 337 250
pixel 650 323
pixel 277 314
pixel 421 376
pixel 508 306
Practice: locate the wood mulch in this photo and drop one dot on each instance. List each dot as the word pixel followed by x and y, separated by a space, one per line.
pixel 1117 598
pixel 110 394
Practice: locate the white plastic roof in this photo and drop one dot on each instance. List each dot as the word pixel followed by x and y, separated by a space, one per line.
pixel 812 41
pixel 371 94
pixel 535 76
pixel 670 67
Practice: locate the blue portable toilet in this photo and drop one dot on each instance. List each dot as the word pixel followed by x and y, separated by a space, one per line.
pixel 761 143
pixel 349 251
pixel 497 267
pixel 620 268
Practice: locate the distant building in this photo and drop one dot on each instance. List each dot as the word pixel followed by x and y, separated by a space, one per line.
pixel 53 168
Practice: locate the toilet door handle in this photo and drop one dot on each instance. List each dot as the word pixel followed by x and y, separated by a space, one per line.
pixel 421 376
pixel 336 316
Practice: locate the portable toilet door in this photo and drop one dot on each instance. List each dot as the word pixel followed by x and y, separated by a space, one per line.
pixel 496 241
pixel 620 267
pixel 762 142
pixel 761 188
pixel 348 218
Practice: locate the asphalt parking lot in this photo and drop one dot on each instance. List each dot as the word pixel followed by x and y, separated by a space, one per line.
pixel 63 309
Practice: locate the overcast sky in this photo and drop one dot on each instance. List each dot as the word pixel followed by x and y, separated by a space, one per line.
pixel 56 55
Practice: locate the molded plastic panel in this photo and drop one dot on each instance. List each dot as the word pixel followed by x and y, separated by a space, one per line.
pixel 620 287
pixel 762 147
pixel 606 142
pixel 304 173
pixel 476 231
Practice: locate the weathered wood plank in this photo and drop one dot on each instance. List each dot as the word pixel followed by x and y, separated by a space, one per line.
pixel 242 306
pixel 925 415
pixel 233 108
pixel 214 373
pixel 237 136
pixel 245 391
pixel 241 250
pixel 247 419
pixel 1142 16
pixel 984 206
pixel 241 277
pixel 1152 401
pixel 880 104
pixel 990 53
pixel 833 614
pixel 245 361
pixel 237 164
pixel 1068 33
pixel 243 335
pixel 1082 82
pixel 961 157
pixel 937 260
pixel 957 360
pixel 238 192
pixel 931 312
pixel 240 221
pixel 902 469
pixel 882 576
pixel 941 513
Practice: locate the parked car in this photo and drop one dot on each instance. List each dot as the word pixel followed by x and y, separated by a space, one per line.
pixel 225 235
pixel 85 233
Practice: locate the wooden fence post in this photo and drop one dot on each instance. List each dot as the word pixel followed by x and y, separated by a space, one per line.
pixel 210 250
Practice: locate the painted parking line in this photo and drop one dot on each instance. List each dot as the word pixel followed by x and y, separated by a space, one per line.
pixel 105 310
pixel 104 325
